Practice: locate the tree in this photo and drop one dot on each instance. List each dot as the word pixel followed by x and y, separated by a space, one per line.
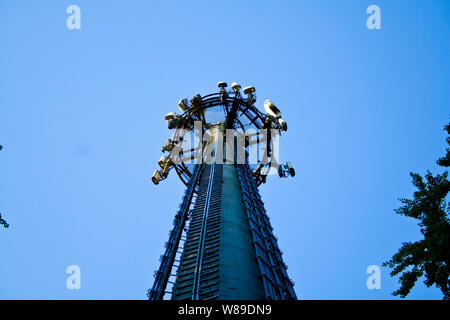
pixel 429 257
pixel 3 222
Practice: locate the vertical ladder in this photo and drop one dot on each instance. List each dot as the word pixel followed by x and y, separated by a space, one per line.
pixel 167 259
pixel 277 284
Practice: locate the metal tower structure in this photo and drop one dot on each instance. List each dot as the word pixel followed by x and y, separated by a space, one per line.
pixel 222 245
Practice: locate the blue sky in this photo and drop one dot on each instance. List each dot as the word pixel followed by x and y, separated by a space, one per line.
pixel 81 123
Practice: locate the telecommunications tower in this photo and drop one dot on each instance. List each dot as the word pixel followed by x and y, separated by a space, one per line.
pixel 222 245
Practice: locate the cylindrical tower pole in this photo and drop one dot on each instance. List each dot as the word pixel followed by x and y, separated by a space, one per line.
pixel 218 260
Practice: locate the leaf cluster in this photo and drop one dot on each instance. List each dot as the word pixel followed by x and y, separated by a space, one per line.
pixel 429 257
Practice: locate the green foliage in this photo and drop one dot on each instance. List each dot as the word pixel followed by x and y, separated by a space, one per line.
pixel 429 257
pixel 445 161
pixel 3 222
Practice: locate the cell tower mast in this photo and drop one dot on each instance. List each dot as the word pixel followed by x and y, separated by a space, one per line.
pixel 221 245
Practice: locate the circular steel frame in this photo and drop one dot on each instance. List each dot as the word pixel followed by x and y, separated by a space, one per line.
pixel 245 111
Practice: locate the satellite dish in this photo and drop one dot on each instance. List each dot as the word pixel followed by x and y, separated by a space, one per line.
pixel 283 124
pixel 271 109
pixel 169 116
pixel 280 170
pixel 156 177
pixel 291 169
pixel 249 89
pixel 236 86
pixel 183 104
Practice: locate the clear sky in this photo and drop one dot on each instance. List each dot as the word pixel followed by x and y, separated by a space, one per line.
pixel 81 123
